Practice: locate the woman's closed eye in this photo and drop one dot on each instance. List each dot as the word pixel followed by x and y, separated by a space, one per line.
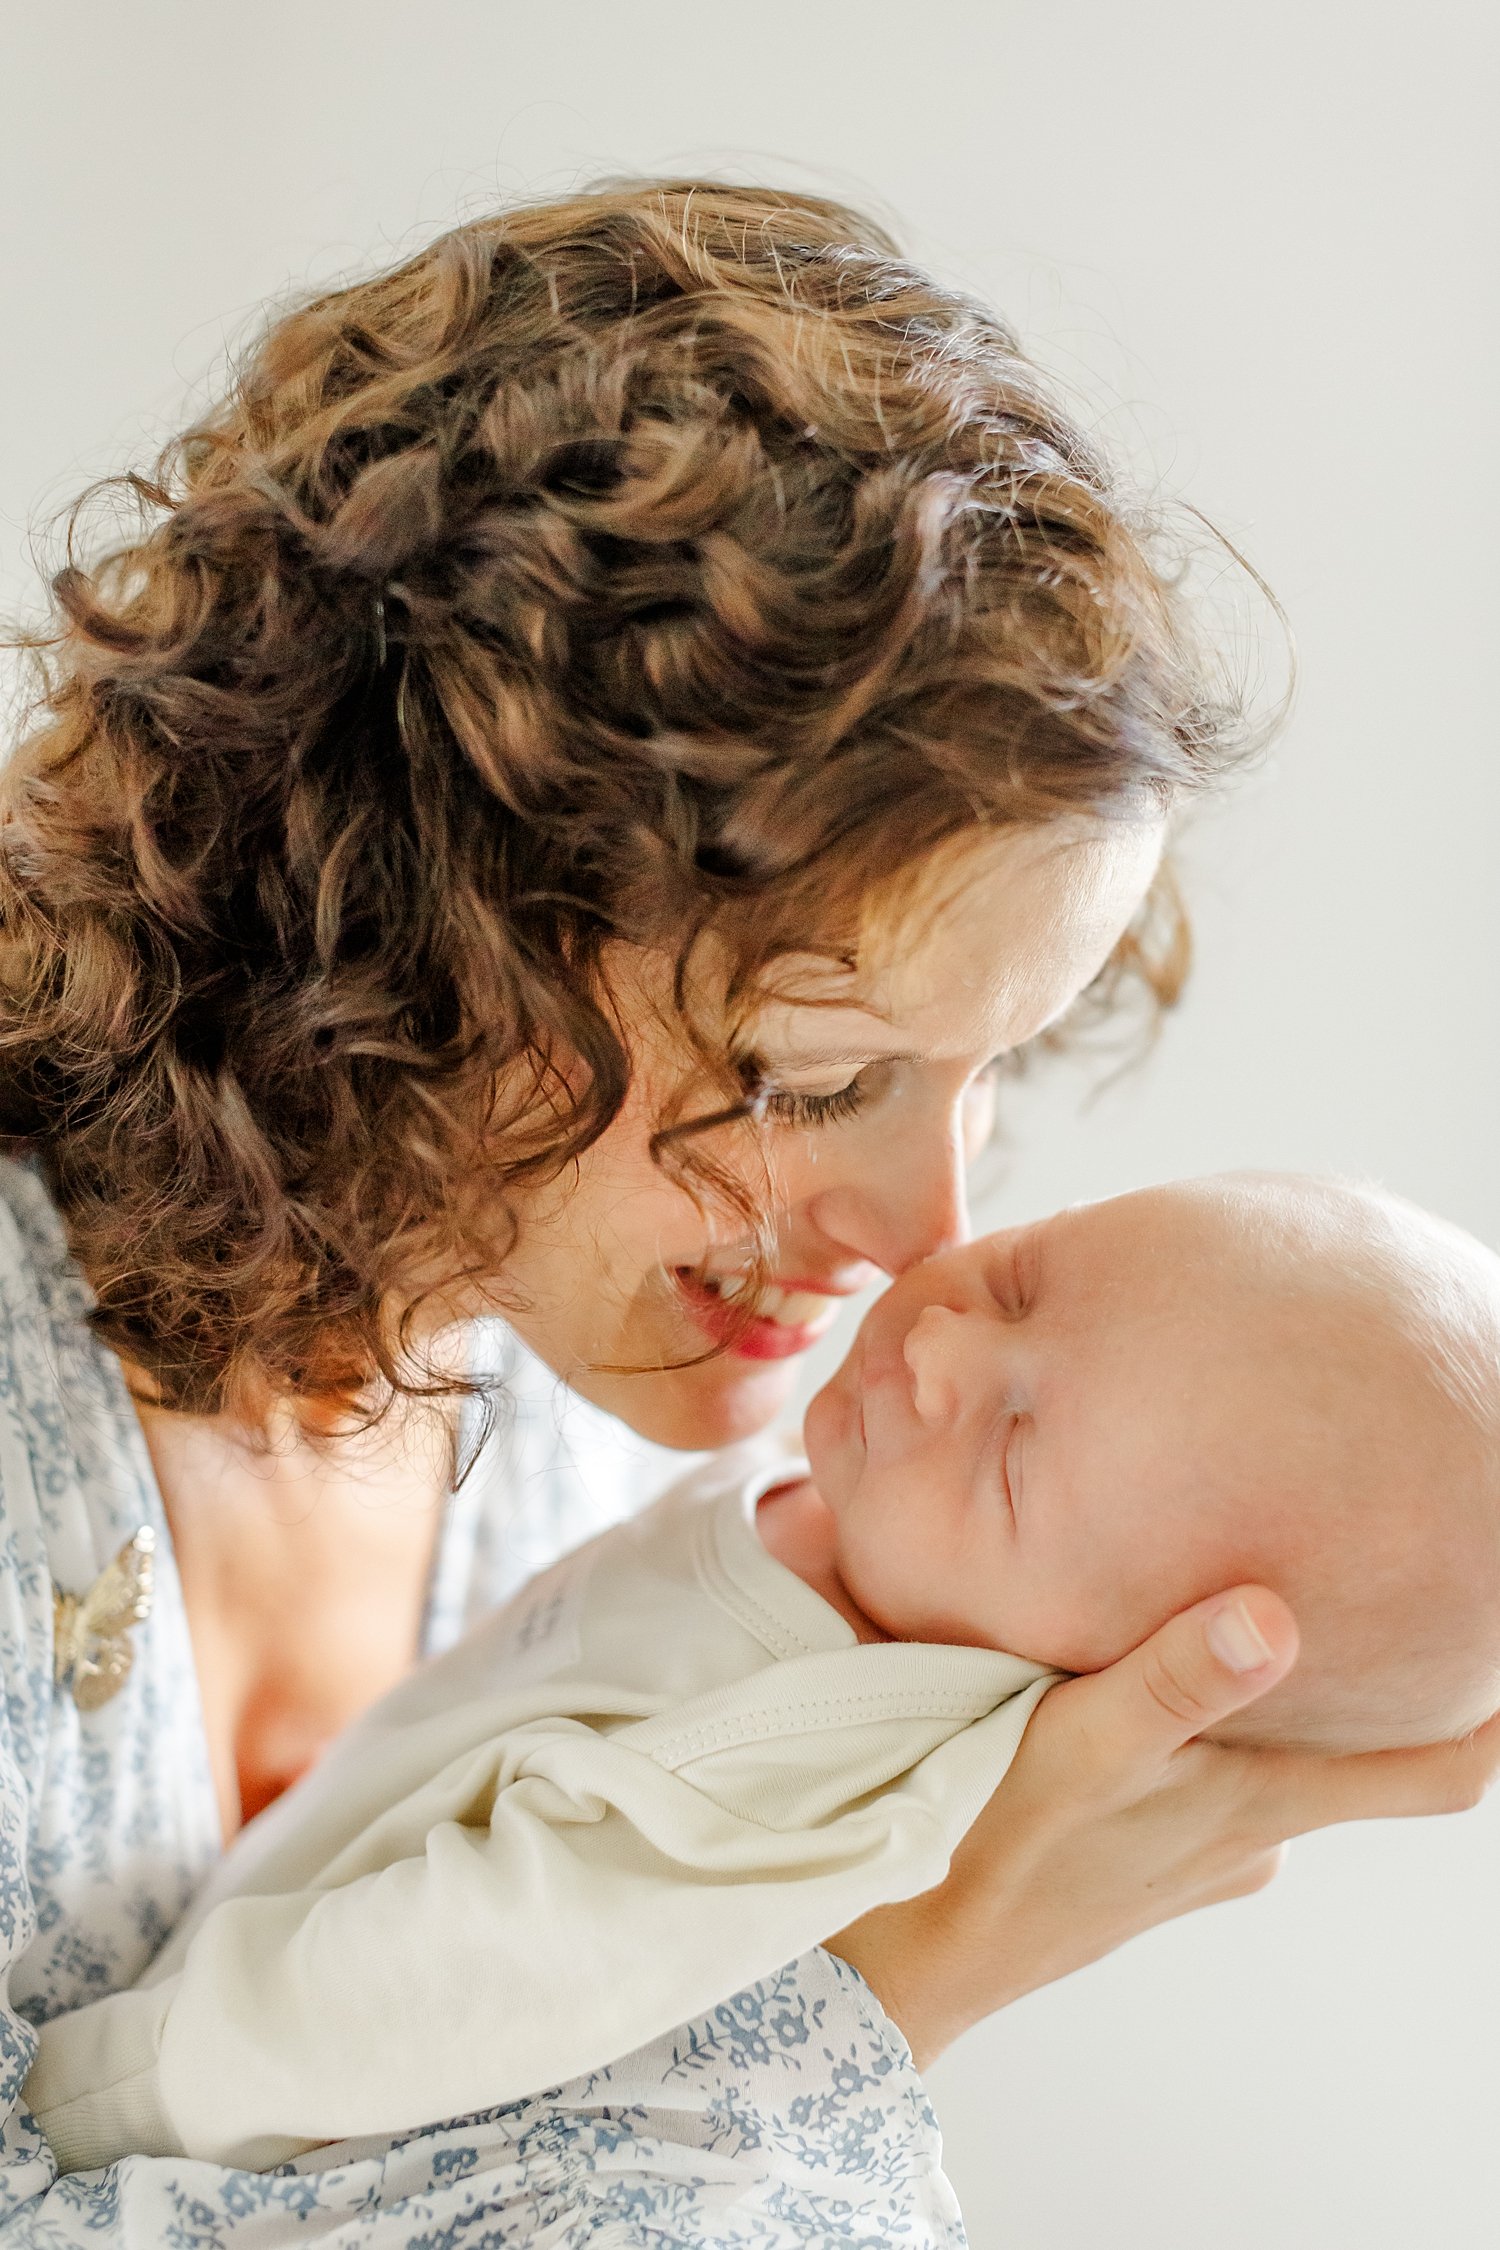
pixel 789 1106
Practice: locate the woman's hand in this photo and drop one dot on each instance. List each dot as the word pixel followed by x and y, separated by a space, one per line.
pixel 1114 1817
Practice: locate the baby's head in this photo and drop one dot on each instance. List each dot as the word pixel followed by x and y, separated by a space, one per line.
pixel 1051 1440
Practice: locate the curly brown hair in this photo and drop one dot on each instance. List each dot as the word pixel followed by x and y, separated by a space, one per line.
pixel 670 559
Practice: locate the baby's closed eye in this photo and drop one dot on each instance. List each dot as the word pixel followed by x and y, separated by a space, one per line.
pixel 1008 1274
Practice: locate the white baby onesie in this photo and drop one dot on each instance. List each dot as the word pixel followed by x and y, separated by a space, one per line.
pixel 662 1771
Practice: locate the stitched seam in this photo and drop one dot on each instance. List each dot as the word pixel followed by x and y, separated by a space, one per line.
pixel 835 1711
pixel 763 1624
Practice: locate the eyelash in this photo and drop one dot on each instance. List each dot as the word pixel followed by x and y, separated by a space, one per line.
pixel 829 1109
pixel 815 1109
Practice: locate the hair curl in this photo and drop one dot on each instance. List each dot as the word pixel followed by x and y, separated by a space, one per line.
pixel 668 559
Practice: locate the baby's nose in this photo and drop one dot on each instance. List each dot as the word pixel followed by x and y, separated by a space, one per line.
pixel 931 1351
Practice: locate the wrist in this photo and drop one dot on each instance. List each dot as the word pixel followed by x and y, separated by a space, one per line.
pixel 917 1957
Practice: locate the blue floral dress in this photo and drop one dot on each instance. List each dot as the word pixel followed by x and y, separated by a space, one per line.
pixel 790 2115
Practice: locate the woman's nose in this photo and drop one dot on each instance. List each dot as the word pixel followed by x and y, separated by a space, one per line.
pixel 900 1198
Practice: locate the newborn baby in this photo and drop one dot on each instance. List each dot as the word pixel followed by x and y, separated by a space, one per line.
pixel 779 1698
pixel 1051 1440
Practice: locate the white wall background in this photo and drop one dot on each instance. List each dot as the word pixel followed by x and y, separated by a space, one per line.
pixel 1261 242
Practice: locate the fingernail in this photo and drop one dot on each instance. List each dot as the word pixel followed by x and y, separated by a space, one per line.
pixel 1236 1640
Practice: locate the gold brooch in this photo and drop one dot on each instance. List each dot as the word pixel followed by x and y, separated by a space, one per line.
pixel 92 1652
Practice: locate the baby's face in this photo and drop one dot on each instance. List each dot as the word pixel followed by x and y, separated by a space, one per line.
pixel 1052 1439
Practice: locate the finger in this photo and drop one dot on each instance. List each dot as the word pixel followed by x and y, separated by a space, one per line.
pixel 1390 1784
pixel 1193 1672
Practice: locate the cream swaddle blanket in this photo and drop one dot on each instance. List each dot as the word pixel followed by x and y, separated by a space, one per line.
pixel 663 1770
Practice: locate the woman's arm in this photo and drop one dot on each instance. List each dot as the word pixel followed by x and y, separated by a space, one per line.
pixel 36 2207
pixel 1115 1816
pixel 555 1897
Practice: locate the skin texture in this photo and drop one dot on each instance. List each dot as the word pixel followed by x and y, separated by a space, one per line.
pixel 971 972
pixel 304 1566
pixel 1113 1412
pixel 1115 1816
pixel 304 1577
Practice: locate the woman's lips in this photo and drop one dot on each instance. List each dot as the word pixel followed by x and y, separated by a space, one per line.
pixel 795 1320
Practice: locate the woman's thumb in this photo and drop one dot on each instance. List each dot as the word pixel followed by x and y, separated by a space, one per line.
pixel 1192 1673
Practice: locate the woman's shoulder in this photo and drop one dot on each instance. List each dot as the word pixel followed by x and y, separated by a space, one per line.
pixel 33 1282
pixel 47 1348
pixel 32 1435
pixel 35 1267
pixel 70 1475
pixel 107 1813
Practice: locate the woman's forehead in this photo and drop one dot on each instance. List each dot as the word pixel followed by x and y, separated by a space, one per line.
pixel 1001 942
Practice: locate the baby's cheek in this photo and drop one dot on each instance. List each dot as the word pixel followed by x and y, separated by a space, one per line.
pixel 1074 1625
pixel 892 1569
pixel 1022 1599
pixel 923 1589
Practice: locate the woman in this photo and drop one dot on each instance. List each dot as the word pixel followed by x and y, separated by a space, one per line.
pixel 599 744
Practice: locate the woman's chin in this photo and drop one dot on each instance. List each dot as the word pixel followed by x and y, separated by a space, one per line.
pixel 696 1409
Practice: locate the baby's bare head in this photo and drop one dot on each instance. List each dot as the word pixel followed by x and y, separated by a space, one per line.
pixel 1373 1346
pixel 1054 1438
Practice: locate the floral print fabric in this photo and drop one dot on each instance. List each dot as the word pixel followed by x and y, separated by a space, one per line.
pixel 790 2115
